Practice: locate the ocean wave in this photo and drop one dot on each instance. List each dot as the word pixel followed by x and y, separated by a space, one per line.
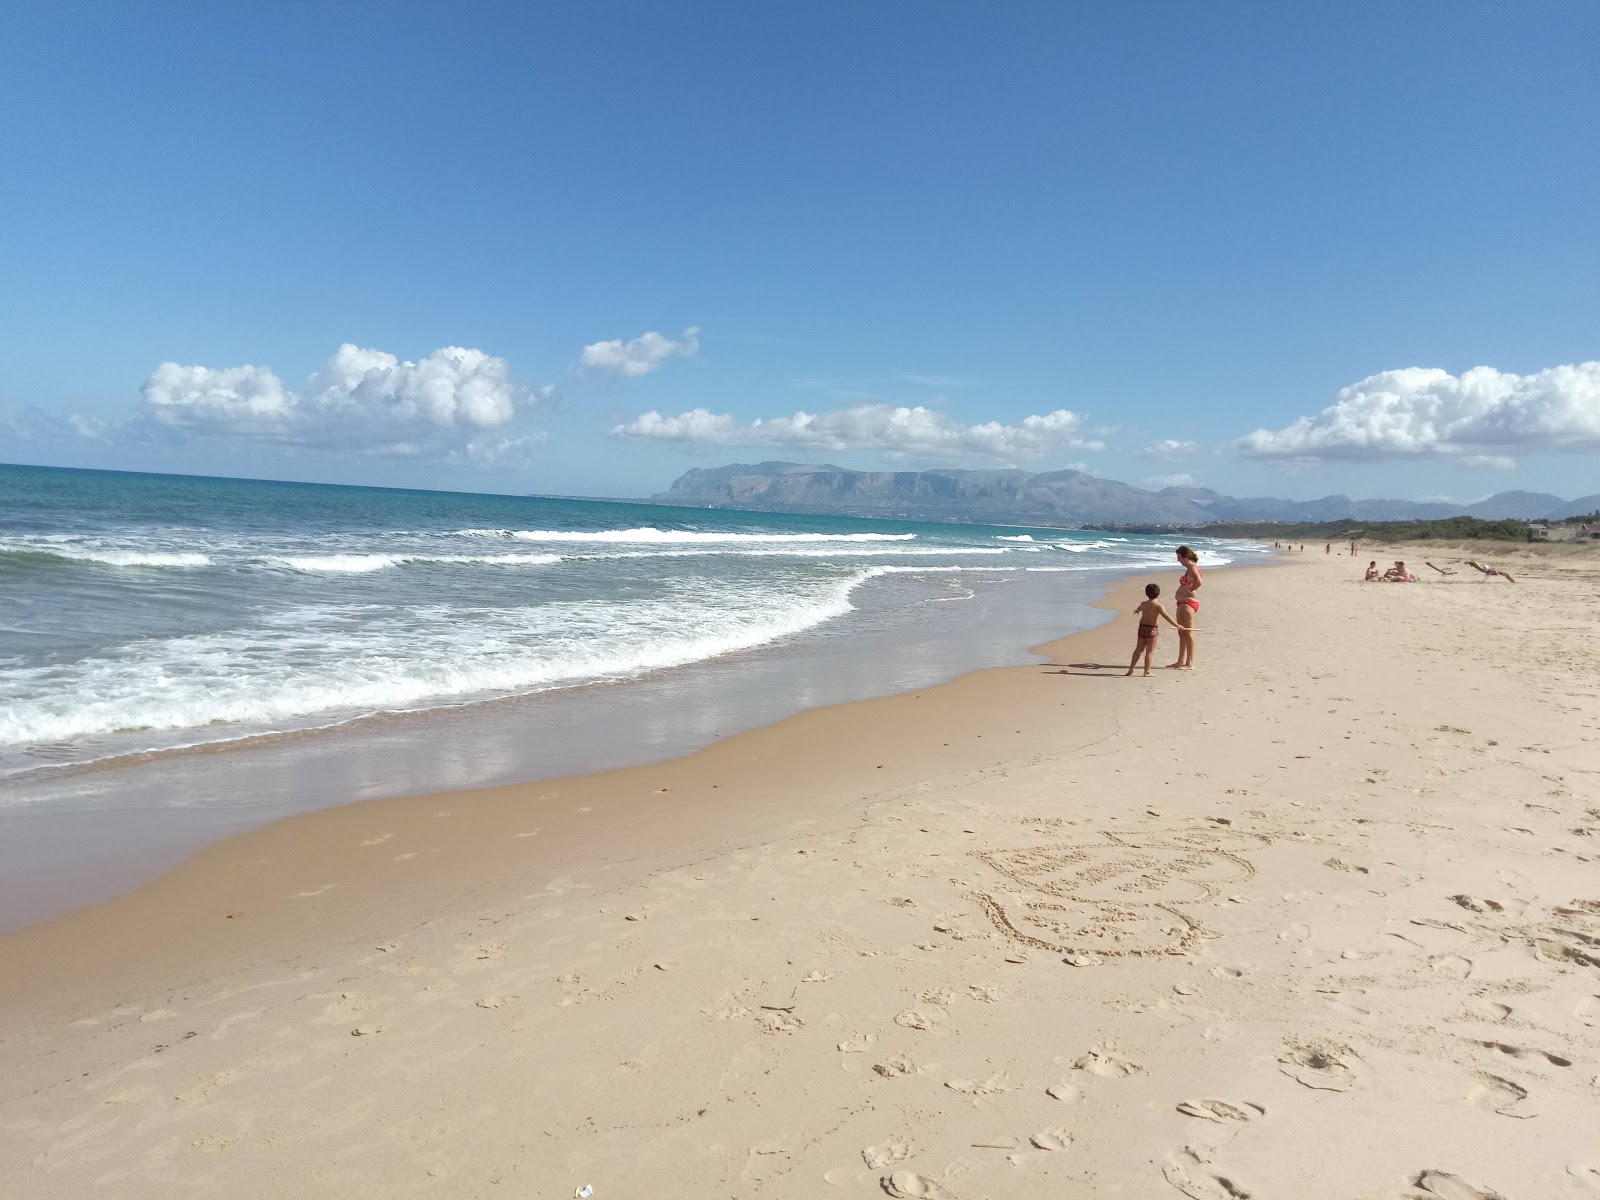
pixel 1013 537
pixel 109 558
pixel 326 671
pixel 648 535
pixel 361 564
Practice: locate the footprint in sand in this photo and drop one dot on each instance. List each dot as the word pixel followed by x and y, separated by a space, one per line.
pixel 379 840
pixel 766 1160
pixel 1494 1094
pixel 1325 1066
pixel 980 1087
pixel 893 1068
pixel 779 1022
pixel 1588 1010
pixel 1051 1139
pixel 1223 1112
pixel 922 1018
pixel 886 1154
pixel 905 1185
pixel 1450 966
pixel 1489 1010
pixel 1555 1060
pixel 1192 1176
pixel 1065 1092
pixel 1478 904
pixel 1585 1175
pixel 1452 1187
pixel 1105 1064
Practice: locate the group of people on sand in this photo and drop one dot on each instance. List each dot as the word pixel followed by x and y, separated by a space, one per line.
pixel 1395 574
pixel 1152 612
pixel 1399 573
pixel 1326 549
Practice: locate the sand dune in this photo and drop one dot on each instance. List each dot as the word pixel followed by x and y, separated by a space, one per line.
pixel 1320 921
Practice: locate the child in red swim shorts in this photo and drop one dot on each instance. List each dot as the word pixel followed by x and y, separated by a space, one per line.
pixel 1151 614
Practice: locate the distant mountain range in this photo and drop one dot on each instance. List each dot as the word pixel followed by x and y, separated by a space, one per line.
pixel 1053 498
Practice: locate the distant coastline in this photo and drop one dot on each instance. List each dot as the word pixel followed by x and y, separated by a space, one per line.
pixel 1065 499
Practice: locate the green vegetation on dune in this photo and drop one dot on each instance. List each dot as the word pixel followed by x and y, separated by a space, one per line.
pixel 1445 529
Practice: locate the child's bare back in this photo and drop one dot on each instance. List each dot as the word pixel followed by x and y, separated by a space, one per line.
pixel 1150 613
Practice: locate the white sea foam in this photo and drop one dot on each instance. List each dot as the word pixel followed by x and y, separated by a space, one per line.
pixel 1018 537
pixel 57 548
pixel 333 664
pixel 650 535
pixel 361 564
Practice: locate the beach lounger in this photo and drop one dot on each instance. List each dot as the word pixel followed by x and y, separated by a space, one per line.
pixel 1441 570
pixel 1490 572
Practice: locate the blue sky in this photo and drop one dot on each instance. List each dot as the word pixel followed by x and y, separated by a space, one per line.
pixel 1168 233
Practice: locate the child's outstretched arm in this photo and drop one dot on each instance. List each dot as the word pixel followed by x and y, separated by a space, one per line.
pixel 1161 611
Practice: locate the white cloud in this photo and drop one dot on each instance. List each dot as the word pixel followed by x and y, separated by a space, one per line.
pixel 1421 411
pixel 248 401
pixel 895 432
pixel 642 355
pixel 366 401
pixel 501 451
pixel 1167 449
pixel 1166 481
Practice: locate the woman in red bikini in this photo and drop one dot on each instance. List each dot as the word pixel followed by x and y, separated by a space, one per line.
pixel 1187 608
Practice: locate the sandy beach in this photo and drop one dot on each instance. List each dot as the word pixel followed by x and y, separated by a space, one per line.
pixel 1319 920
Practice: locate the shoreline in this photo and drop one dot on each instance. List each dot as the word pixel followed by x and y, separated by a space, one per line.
pixel 240 871
pixel 86 833
pixel 1041 930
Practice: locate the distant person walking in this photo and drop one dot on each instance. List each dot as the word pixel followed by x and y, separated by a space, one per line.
pixel 1327 548
pixel 1188 608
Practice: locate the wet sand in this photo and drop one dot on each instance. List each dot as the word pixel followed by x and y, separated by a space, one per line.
pixel 1318 920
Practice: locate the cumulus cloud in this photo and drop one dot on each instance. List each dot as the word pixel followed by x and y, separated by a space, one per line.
pixel 642 355
pixel 1479 417
pixel 366 401
pixel 1166 481
pixel 1167 449
pixel 895 432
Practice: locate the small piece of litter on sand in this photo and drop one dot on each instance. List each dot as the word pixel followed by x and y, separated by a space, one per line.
pixel 584 1192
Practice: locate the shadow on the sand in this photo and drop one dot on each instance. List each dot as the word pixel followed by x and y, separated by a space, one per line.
pixel 1086 670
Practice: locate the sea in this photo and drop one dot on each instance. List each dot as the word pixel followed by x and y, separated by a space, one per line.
pixel 182 657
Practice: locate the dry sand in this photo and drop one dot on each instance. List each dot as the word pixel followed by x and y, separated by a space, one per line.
pixel 1318 921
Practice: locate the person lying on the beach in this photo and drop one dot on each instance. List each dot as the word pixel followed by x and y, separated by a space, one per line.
pixel 1150 614
pixel 1490 572
pixel 1372 572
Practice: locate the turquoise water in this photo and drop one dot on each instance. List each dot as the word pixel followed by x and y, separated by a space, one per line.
pixel 147 613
